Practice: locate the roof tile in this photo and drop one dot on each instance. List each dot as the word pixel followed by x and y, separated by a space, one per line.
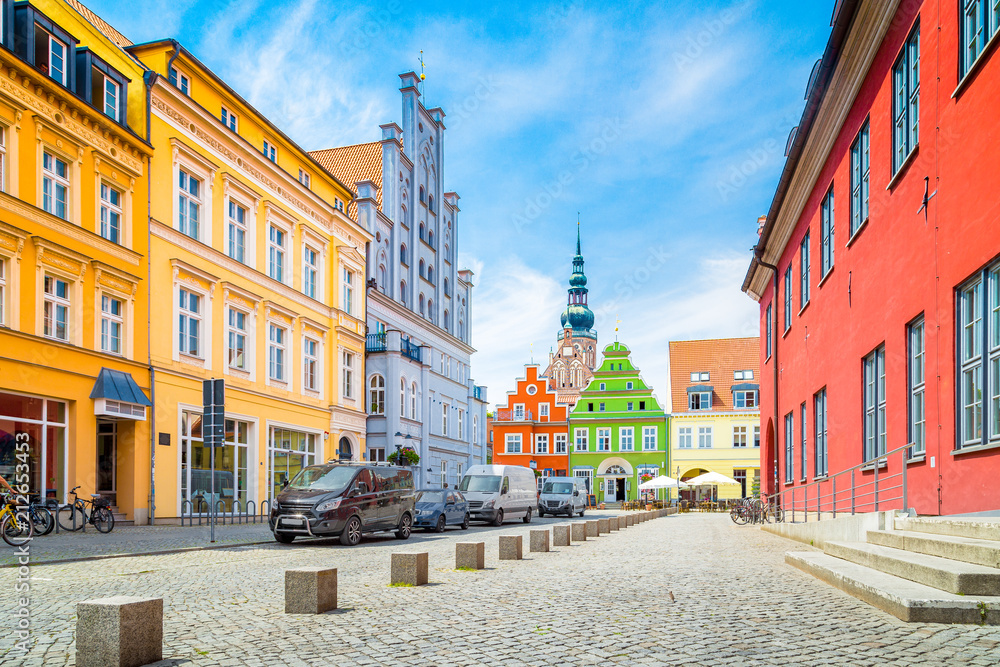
pixel 718 357
pixel 350 164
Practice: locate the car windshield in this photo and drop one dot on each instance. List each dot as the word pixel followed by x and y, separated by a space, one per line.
pixel 430 497
pixel 557 487
pixel 323 478
pixel 481 483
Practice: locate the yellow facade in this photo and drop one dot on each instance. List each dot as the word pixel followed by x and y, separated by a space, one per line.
pixel 734 450
pixel 258 278
pixel 72 128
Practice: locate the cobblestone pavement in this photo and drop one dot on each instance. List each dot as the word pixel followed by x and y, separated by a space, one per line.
pixel 606 600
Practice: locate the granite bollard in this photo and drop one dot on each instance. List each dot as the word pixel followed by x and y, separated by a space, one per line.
pixel 122 631
pixel 560 535
pixel 613 523
pixel 510 547
pixel 409 567
pixel 603 526
pixel 579 531
pixel 593 528
pixel 310 590
pixel 470 555
pixel 539 541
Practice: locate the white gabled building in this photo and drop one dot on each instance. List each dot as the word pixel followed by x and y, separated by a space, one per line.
pixel 418 383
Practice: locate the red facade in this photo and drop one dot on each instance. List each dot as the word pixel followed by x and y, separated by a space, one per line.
pixel 533 429
pixel 907 261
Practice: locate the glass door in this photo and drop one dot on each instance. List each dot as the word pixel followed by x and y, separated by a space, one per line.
pixel 288 453
pixel 107 457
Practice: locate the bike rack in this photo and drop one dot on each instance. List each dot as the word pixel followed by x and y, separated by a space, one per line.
pixel 215 511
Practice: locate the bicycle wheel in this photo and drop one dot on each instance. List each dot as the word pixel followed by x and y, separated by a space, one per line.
pixel 16 529
pixel 43 520
pixel 70 517
pixel 779 514
pixel 103 520
pixel 740 515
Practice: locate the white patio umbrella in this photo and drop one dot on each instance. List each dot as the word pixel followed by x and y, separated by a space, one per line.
pixel 711 479
pixel 662 482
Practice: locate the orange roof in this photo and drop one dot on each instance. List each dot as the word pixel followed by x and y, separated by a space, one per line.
pixel 118 39
pixel 350 164
pixel 719 358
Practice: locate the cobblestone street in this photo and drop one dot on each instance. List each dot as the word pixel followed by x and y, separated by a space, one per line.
pixel 602 601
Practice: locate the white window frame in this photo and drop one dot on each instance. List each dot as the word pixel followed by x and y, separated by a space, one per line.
pixel 906 100
pixel 278 353
pixel 741 437
pixel 66 55
pixel 235 192
pixel 232 332
pixel 860 172
pixel 188 199
pixel 685 437
pixel 542 443
pixel 312 365
pixel 229 119
pixel 916 379
pixel 348 358
pixel 198 282
pixel 236 248
pixel 461 424
pixel 874 417
pixel 820 444
pixel 52 181
pixel 197 166
pixel 560 443
pixel 510 441
pixel 305 179
pixel 604 439
pixel 109 320
pixel 270 151
pixel 310 271
pixel 180 80
pixel 827 228
pixel 277 249
pixel 444 419
pixel 626 438
pixel 112 87
pixel 52 301
pixel 543 410
pixel 108 209
pixel 740 397
pixel 188 315
pixel 347 276
pixel 705 435
pixel 581 438
pixel 650 439
pixel 376 394
pixel 518 413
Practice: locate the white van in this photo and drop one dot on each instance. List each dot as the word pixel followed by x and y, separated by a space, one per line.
pixel 496 493
pixel 562 495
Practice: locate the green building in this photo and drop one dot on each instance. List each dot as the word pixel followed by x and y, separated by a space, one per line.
pixel 618 430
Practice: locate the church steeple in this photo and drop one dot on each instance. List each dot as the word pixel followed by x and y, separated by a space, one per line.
pixel 578 315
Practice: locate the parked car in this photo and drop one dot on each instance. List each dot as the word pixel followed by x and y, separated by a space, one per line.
pixel 563 495
pixel 497 492
pixel 344 500
pixel 437 508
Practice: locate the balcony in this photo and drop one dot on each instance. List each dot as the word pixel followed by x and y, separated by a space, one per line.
pixel 479 393
pixel 409 349
pixel 512 415
pixel 375 343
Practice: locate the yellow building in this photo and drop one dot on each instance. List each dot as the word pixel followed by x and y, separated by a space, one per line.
pixel 258 278
pixel 714 422
pixel 73 287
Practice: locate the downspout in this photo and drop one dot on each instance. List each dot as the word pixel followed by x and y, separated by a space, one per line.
pixel 149 78
pixel 170 63
pixel 758 255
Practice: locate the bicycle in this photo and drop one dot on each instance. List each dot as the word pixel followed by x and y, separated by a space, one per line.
pixel 15 525
pixel 41 517
pixel 100 516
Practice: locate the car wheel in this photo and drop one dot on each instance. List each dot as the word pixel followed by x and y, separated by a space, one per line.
pixel 352 532
pixel 498 519
pixel 541 513
pixel 439 528
pixel 465 522
pixel 403 529
pixel 284 538
pixel 581 512
pixel 527 517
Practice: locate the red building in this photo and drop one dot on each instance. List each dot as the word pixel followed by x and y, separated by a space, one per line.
pixel 533 429
pixel 877 269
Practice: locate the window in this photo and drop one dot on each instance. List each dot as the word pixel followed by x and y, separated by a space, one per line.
pixel 50 55
pixel 600 407
pixel 874 394
pixel 111 213
pixel 237 335
pixel 915 354
pixel 826 234
pixel 603 386
pixel 604 439
pixel 461 424
pixel 581 436
pixel 626 439
pixel 743 375
pixel 347 362
pixel 804 272
pixel 979 359
pixel 628 386
pixel 310 271
pixel 739 436
pixel 803 441
pixel 105 94
pixel 685 437
pixel 744 399
pixel 513 443
pixel 704 437
pixel 376 454
pixel 348 283
pixel 304 178
pixel 700 377
pixel 276 352
pixel 819 424
pixel 237 232
pixel 788 298
pixel 628 406
pixel 376 395
pixel 55 185
pixel 859 179
pixel 189 324
pixel 3 159
pixel 180 81
pixel 271 153
pixel 402 397
pixel 3 291
pixel 112 320
pixel 767 328
pixel 276 253
pixel 228 119
pixel 188 203
pixel 518 407
pixel 444 419
pixel 590 407
pixel 310 364
pixel 642 405
pixel 413 401
pixel 560 443
pixel 542 443
pixel 649 438
pixel 700 400
pixel 543 409
pixel 756 436
pixel 981 21
pixel 789 446
pixel 906 100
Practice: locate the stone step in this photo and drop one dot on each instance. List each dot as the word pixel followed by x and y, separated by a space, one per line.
pixel 904 599
pixel 984 528
pixel 941 573
pixel 966 549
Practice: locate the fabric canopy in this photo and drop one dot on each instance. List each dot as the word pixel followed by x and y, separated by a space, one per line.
pixel 662 482
pixel 710 478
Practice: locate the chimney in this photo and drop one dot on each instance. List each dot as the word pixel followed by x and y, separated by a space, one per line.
pixel 760 224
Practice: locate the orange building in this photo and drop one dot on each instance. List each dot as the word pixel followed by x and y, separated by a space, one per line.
pixel 532 430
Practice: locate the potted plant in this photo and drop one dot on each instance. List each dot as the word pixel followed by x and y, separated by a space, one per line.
pixel 406 456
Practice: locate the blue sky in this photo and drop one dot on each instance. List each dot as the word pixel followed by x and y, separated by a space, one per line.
pixel 663 124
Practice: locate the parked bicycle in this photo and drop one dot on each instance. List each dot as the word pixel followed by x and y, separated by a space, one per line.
pixel 754 510
pixel 73 516
pixel 41 517
pixel 15 525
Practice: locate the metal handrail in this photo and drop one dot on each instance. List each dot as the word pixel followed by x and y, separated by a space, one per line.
pixel 881 489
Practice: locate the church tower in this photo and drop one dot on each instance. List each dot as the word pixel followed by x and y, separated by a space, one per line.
pixel 571 366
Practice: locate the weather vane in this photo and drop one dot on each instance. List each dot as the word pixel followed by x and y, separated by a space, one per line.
pixel 422 76
pixel 617 322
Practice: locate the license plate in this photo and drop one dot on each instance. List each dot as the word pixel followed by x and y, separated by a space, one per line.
pixel 291 521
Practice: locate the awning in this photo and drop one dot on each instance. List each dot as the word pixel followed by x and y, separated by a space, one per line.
pixel 745 386
pixel 116 394
pixel 699 388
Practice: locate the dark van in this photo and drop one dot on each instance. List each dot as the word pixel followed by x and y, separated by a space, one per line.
pixel 345 500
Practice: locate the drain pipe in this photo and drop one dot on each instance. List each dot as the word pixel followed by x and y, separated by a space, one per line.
pixel 758 255
pixel 149 78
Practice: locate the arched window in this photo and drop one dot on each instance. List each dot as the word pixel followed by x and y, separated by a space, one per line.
pixel 430 274
pixel 420 268
pixel 421 193
pixel 381 277
pixel 447 252
pixel 422 237
pixel 430 238
pixel 475 429
pixel 430 309
pixel 421 304
pixel 461 330
pixel 376 395
pixel 430 202
pixel 344 450
pixel 402 292
pixel 402 397
pixel 413 401
pixel 447 292
pixel 447 320
pixel 402 254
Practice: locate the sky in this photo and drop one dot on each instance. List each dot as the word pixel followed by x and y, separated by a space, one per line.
pixel 662 125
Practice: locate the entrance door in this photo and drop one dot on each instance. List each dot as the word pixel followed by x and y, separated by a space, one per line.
pixel 107 458
pixel 620 494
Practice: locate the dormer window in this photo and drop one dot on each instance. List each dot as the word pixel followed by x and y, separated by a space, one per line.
pixel 228 119
pixel 699 377
pixel 50 55
pixel 105 89
pixel 180 81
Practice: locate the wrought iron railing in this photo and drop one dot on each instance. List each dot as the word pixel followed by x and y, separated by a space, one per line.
pixel 375 342
pixel 477 392
pixel 410 350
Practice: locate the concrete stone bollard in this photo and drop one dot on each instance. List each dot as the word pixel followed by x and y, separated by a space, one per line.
pixel 593 528
pixel 560 535
pixel 471 555
pixel 310 590
pixel 409 567
pixel 579 531
pixel 613 523
pixel 539 541
pixel 510 547
pixel 122 630
pixel 603 526
pixel 629 520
